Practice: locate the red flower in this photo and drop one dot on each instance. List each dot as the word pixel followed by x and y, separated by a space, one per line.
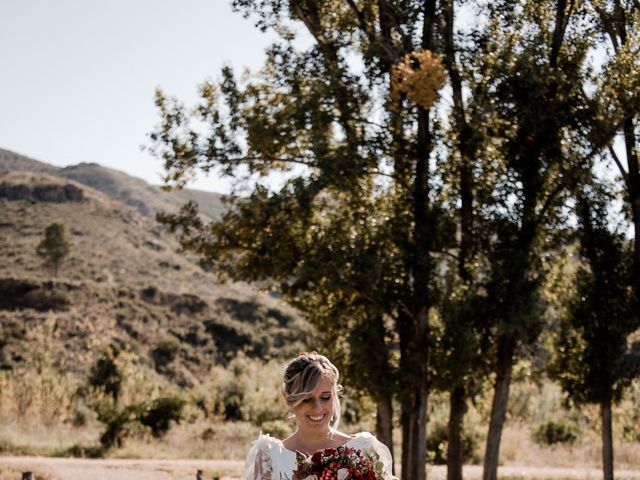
pixel 326 464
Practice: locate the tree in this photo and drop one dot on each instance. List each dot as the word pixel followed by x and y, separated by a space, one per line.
pixel 531 70
pixel 106 373
pixel 366 182
pixel 618 103
pixel 592 362
pixel 55 246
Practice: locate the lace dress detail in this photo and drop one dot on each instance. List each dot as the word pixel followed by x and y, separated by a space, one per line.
pixel 257 465
pixel 268 459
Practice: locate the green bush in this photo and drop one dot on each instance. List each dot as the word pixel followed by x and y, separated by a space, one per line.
pixel 154 416
pixel 165 352
pixel 106 375
pixel 159 413
pixel 556 431
pixel 438 442
pixel 118 423
pixel 233 400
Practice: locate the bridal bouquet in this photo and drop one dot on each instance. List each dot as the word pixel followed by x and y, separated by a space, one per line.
pixel 342 463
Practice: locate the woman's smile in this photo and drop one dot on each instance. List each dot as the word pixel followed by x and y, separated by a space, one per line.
pixel 316 409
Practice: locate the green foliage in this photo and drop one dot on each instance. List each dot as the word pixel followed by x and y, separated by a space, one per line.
pixel 154 416
pixel 165 352
pixel 592 362
pixel 159 413
pixel 55 246
pixel 116 422
pixel 379 197
pixel 437 442
pixel 106 374
pixel 556 431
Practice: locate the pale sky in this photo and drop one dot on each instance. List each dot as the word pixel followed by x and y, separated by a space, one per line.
pixel 77 77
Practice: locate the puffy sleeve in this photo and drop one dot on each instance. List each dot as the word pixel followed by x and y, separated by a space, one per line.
pixel 257 465
pixel 367 441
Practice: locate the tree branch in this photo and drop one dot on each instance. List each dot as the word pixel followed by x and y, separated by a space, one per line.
pixel 625 175
pixel 390 54
pixel 571 175
pixel 361 19
pixel 384 6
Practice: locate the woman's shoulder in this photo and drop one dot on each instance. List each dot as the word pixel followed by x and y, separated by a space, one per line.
pixel 264 442
pixel 366 440
pixel 362 437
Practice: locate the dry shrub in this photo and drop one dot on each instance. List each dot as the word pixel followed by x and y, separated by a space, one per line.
pixel 45 397
pixel 247 390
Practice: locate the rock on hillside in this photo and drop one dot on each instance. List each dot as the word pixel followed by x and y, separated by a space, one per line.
pixel 147 199
pixel 123 284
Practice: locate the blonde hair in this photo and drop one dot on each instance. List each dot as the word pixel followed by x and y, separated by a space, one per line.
pixel 302 376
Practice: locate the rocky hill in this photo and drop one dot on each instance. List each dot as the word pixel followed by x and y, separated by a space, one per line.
pixel 147 199
pixel 123 284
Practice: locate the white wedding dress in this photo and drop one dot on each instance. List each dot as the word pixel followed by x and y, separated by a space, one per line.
pixel 268 459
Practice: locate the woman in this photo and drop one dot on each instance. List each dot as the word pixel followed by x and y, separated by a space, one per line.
pixel 310 390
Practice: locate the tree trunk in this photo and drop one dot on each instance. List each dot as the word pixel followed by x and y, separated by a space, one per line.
pixel 633 192
pixel 607 440
pixel 414 394
pixel 414 322
pixel 455 449
pixel 414 429
pixel 384 423
pixel 506 350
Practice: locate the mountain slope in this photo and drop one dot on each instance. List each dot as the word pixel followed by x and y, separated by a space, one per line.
pixel 147 199
pixel 123 284
pixel 14 161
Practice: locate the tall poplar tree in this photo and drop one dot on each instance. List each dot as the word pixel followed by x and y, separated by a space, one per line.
pixel 618 101
pixel 530 66
pixel 592 361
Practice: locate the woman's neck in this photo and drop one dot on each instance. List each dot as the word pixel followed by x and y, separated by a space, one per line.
pixel 310 442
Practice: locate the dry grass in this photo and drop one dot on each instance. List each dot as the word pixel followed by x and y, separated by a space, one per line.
pixel 518 448
pixel 205 440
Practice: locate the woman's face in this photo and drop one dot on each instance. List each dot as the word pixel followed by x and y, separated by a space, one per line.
pixel 316 410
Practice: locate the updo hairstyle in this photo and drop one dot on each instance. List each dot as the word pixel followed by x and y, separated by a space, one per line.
pixel 302 375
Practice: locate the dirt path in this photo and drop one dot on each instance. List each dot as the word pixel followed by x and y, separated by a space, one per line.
pixel 46 468
pixel 117 469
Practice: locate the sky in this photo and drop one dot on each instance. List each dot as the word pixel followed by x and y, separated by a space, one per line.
pixel 77 77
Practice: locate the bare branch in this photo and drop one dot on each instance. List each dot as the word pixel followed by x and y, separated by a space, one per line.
pixel 361 19
pixel 625 175
pixel 391 56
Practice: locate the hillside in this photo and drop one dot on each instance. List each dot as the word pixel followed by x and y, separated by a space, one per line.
pixel 147 199
pixel 124 285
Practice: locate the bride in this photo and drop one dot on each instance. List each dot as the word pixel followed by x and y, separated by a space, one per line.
pixel 310 390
